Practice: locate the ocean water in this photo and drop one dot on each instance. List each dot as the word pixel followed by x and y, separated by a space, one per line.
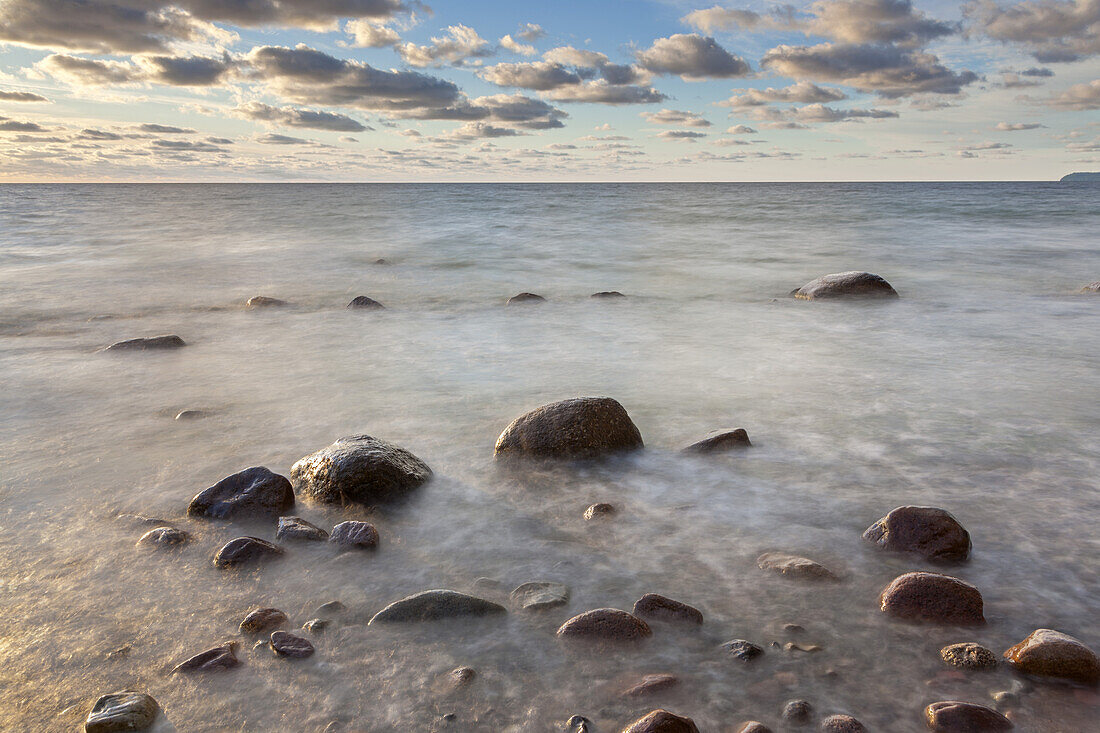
pixel 977 391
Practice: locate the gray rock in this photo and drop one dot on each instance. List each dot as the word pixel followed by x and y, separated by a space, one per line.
pixel 605 624
pixel 651 684
pixel 536 596
pixel 121 711
pixel 525 298
pixel 853 284
pixel 722 442
pixel 220 657
pixel 263 620
pixel 355 534
pixel 925 530
pixel 253 492
pixel 296 528
pixel 932 597
pixel 1092 287
pixel 245 550
pixel 164 537
pixel 262 301
pixel 359 469
pixel 743 650
pixel 432 605
pixel 362 302
pixel 585 427
pixel 794 566
pixel 653 605
pixel 968 655
pixel 954 716
pixel 331 607
pixel 167 341
pixel 316 625
pixel 285 644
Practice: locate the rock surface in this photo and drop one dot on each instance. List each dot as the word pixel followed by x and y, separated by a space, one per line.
pixel 192 414
pixel 362 302
pixel 595 511
pixel 253 492
pixel 316 625
pixel 244 550
pixel 608 294
pixel 162 537
pixel 525 298
pixel 921 596
pixel 607 624
pixel 223 656
pixel 359 469
pixel 651 684
pixel 798 712
pixel 285 644
pixel 927 531
pixel 296 528
pixel 743 649
pixel 662 721
pixel 652 605
pixel 794 566
pixel 1050 653
pixel 263 301
pixel 432 605
pixel 124 710
pixel 753 726
pixel 842 724
pixel 263 620
pixel 853 284
pixel 1092 287
pixel 584 427
pixel 167 341
pixel 536 596
pixel 724 441
pixel 355 534
pixel 953 716
pixel 968 655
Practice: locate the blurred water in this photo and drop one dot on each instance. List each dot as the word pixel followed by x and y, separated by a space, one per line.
pixel 977 391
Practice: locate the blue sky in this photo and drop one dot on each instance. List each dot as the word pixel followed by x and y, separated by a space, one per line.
pixel 387 90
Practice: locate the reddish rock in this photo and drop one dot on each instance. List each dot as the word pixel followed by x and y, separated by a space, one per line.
pixel 932 597
pixel 220 657
pixel 927 531
pixel 650 684
pixel 607 624
pixel 263 620
pixel 952 716
pixel 652 605
pixel 793 566
pixel 662 721
pixel 1050 653
pixel 585 427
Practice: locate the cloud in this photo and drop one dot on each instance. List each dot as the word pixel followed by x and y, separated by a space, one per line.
pixel 717 18
pixel 165 129
pixel 188 145
pixel 294 117
pixel 600 92
pixel 1078 97
pixel 94 134
pixel 481 130
pixel 740 130
pixel 513 110
pixel 675 117
pixel 1053 30
pixel 688 135
pixel 820 113
pixel 531 32
pixel 167 70
pixel 569 56
pixel 692 57
pixel 537 75
pixel 10 125
pixel 367 34
pixel 1016 126
pixel 515 46
pixel 272 138
pixel 6 96
pixel 461 43
pixel 803 92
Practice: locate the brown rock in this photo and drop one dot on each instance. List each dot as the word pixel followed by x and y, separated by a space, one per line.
pixel 245 550
pixel 968 655
pixel 608 624
pixel 296 528
pixel 928 531
pixel 525 298
pixel 598 510
pixel 125 710
pixel 932 597
pixel 362 302
pixel 793 566
pixel 1050 653
pixel 167 341
pixel 163 537
pixel 753 726
pixel 952 716
pixel 355 534
pixel 852 285
pixel 253 492
pixel 359 469
pixel 286 644
pixel 651 684
pixel 728 440
pixel 263 620
pixel 220 657
pixel 433 605
pixel 461 677
pixel 585 427
pixel 662 721
pixel 842 724
pixel 539 595
pixel 652 605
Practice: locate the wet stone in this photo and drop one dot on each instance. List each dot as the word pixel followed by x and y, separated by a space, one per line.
pixel 432 605
pixel 121 653
pixel 608 294
pixel 245 550
pixel 164 537
pixel 742 649
pixel 1050 653
pixel 223 656
pixel 655 606
pixel 355 534
pixel 523 298
pixel 753 726
pixel 596 511
pixel 296 528
pixel 662 721
pixel 580 428
pixel 797 712
pixel 263 301
pixel 151 343
pixel 605 624
pixel 790 646
pixel 263 620
pixel 192 414
pixel 853 284
pixel 535 596
pixel 1092 287
pixel 286 644
pixel 362 302
pixel 461 677
pixel 933 597
pixel 331 607
pixel 359 469
pixel 724 441
pixel 121 711
pixel 842 724
pixel 651 684
pixel 968 655
pixel 927 531
pixel 953 716
pixel 254 492
pixel 577 724
pixel 794 566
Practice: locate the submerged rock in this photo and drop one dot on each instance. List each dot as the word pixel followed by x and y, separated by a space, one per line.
pixel 652 605
pixel 608 294
pixel 461 677
pixel 164 537
pixel 968 655
pixel 362 302
pixel 932 597
pixel 355 534
pixel 262 301
pixel 794 566
pixel 192 414
pixel 167 341
pixel 928 531
pixel 662 721
pixel 359 469
pixel 853 284
pixel 753 726
pixel 584 427
pixel 1050 653
pixel 253 492
pixel 285 644
pixel 296 528
pixel 536 596
pixel 953 716
pixel 594 511
pixel 119 711
pixel 651 684
pixel 316 625
pixel 724 441
pixel 742 649
pixel 244 550
pixel 263 620
pixel 525 298
pixel 606 624
pixel 1092 287
pixel 842 724
pixel 432 605
pixel 220 657
pixel 797 712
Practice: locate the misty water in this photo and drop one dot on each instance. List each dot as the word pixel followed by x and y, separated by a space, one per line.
pixel 977 392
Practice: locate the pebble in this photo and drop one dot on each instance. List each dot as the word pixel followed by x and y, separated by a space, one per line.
pixel 968 655
pixel 220 657
pixel 263 620
pixel 296 528
pixel 598 510
pixel 286 644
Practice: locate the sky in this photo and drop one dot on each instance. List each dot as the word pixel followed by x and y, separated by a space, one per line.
pixel 486 90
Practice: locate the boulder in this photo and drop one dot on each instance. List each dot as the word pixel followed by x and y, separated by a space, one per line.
pixel 1092 287
pixel 432 605
pixel 164 537
pixel 953 716
pixel 355 534
pixel 722 442
pixel 854 284
pixel 753 726
pixel 651 684
pixel 1050 653
pixel 317 625
pixel 662 721
pixel 932 597
pixel 192 414
pixel 797 712
pixel 359 469
pixel 605 624
pixel 968 655
pixel 220 657
pixel 121 711
pixel 263 620
pixel 525 298
pixel 460 677
pixel 794 566
pixel 285 644
pixel 262 301
pixel 652 605
pixel 254 492
pixel 362 302
pixel 245 550
pixel 842 724
pixel 296 528
pixel 168 341
pixel 742 649
pixel 925 530
pixel 536 596
pixel 595 511
pixel 585 427
pixel 608 294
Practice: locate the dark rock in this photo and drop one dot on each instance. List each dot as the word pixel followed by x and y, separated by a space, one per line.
pixel 652 605
pixel 1050 653
pixel 168 341
pixel 797 712
pixel 842 724
pixel 608 294
pixel 742 649
pixel 793 628
pixel 753 726
pixel 431 605
pixel 525 298
pixel 254 492
pixel 286 644
pixel 536 596
pixel 651 684
pixel 461 677
pixel 331 607
pixel 381 261
pixel 262 301
pixel 362 302
pixel 192 414
pixel 296 528
pixel 952 716
pixel 598 510
pixel 121 711
pixel 662 721
pixel 263 620
pixel 162 537
pixel 359 469
pixel 933 597
pixel 316 625
pixel 577 724
pixel 728 440
pixel 220 657
pixel 930 532
pixel 355 534
pixel 793 566
pixel 585 427
pixel 852 284
pixel 243 550
pixel 608 624
pixel 968 656
pixel 121 653
pixel 1092 287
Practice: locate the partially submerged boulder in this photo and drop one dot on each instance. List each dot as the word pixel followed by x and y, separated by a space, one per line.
pixel 359 469
pixel 362 302
pixel 535 596
pixel 286 644
pixel 794 566
pixel 1050 653
pixel 653 605
pixel 244 551
pixel 954 716
pixel 842 724
pixel 605 624
pixel 263 620
pixel 355 534
pixel 263 301
pixel 121 711
pixel 253 492
pixel 150 343
pixel 296 528
pixel 662 721
pixel 608 294
pixel 600 509
pixel 651 684
pixel 743 649
pixel 580 428
pixel 164 537
pixel 433 605
pixel 853 284
pixel 1092 287
pixel 933 597
pixel 925 530
pixel 721 442
pixel 968 655
pixel 223 656
pixel 525 298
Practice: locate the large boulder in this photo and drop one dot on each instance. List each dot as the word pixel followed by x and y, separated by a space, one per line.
pixel 721 442
pixel 854 284
pixel 605 624
pixel 662 721
pixel 244 551
pixel 794 566
pixel 167 341
pixel 362 302
pixel 432 605
pixel 933 597
pixel 124 710
pixel 254 492
pixel 925 530
pixel 1050 653
pixel 359 469
pixel 653 605
pixel 584 427
pixel 953 716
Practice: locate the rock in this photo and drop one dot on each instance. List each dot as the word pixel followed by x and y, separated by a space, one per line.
pixel 244 550
pixel 724 441
pixel 168 341
pixel 842 724
pixel 652 605
pixel 1004 698
pixel 432 605
pixel 577 724
pixel 651 684
pixel 925 530
pixel 192 414
pixel 932 597
pixel 163 537
pixel 381 261
pixel 608 294
pixel 968 656
pixel 598 510
pixel 254 492
pixel 793 566
pixel 262 301
pixel 1050 653
pixel 742 649
pixel 123 710
pixel 316 625
pixel 359 469
pixel 753 726
pixel 662 721
pixel 797 712
pixel 536 596
pixel 121 653
pixel 362 302
pixel 331 607
pixel 854 284
pixel 296 528
pixel 790 646
pixel 608 624
pixel 285 644
pixel 263 620
pixel 355 534
pixel 585 427
pixel 525 298
pixel 1092 287
pixel 952 716
pixel 220 657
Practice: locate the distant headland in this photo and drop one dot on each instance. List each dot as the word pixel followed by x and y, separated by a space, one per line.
pixel 1078 177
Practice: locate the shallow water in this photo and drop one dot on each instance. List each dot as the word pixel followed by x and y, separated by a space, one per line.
pixel 977 392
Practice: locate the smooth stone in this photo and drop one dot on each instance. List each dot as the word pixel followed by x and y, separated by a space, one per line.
pixel 316 625
pixel 608 294
pixel 432 605
pixel 595 511
pixel 724 441
pixel 355 534
pixel 922 596
pixel 167 341
pixel 652 605
pixel 1092 287
pixel 651 684
pixel 798 712
pixel 925 530
pixel 253 492
pixel 536 596
pixel 794 566
pixel 192 414
pixel 753 726
pixel 360 469
pixel 842 724
pixel 968 655
pixel 609 624
pixel 1050 653
pixel 584 427
pixel 262 301
pixel 743 649
pixel 220 657
pixel 362 302
pixel 853 284
pixel 331 607
pixel 953 716
pixel 662 721
pixel 525 298
pixel 285 644
pixel 162 537
pixel 296 528
pixel 263 620
pixel 243 550
pixel 124 710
